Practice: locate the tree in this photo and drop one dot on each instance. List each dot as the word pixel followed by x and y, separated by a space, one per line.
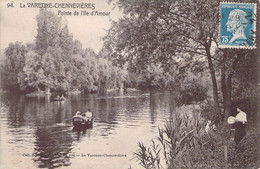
pixel 57 62
pixel 52 67
pixel 48 31
pixel 13 65
pixel 85 72
pixel 241 66
pixel 32 75
pixel 155 31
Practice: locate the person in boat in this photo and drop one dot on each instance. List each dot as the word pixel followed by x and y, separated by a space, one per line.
pixel 78 113
pixel 88 115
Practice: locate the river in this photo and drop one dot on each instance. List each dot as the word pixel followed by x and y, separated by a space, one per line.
pixel 37 133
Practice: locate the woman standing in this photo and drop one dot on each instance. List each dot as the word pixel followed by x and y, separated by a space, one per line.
pixel 240 127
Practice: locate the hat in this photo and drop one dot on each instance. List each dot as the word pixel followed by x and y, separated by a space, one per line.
pixel 231 120
pixel 78 113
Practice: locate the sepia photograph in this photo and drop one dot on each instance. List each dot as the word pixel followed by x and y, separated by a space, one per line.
pixel 129 84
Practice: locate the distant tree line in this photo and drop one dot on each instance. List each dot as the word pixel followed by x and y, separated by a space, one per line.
pixel 57 62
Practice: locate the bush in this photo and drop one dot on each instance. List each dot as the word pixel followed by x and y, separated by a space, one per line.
pixel 192 92
pixel 182 133
pixel 208 111
pixel 183 143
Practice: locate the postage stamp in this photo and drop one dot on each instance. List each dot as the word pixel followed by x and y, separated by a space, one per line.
pixel 237 25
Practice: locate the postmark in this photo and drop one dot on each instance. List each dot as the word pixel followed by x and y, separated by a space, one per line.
pixel 237 25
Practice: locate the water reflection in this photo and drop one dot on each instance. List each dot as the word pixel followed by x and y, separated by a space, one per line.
pixel 40 131
pixel 52 146
pixel 80 132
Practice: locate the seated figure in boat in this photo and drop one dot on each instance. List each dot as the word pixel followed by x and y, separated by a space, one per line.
pixel 88 115
pixel 78 113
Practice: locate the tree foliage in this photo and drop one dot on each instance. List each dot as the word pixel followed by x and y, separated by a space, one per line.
pixel 153 31
pixel 56 61
pixel 158 32
pixel 13 65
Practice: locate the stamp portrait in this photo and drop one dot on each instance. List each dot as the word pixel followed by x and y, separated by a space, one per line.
pixel 237 25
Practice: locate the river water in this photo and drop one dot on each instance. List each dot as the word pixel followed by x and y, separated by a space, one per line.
pixel 37 133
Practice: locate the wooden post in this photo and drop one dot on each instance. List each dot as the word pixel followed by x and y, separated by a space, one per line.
pixel 225 153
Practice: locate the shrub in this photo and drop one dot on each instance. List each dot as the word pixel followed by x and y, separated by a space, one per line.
pixel 192 92
pixel 183 143
pixel 208 111
pixel 182 133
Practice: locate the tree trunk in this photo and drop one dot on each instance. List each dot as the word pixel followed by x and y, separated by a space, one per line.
pixel 223 83
pixel 228 91
pixel 121 86
pixel 214 81
pixel 47 90
pixel 226 81
pixel 226 86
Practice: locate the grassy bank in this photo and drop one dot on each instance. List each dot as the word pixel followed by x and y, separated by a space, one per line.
pixel 184 143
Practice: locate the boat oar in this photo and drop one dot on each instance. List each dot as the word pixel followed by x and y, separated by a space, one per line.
pixel 68 119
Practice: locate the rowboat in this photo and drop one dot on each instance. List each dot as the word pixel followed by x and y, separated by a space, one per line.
pixel 82 122
pixel 57 99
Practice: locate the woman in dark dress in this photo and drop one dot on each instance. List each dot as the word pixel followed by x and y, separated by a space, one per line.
pixel 239 125
pixel 240 131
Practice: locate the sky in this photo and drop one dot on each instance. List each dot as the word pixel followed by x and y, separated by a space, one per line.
pixel 19 24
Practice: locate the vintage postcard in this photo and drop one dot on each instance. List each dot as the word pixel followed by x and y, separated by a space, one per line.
pixel 129 84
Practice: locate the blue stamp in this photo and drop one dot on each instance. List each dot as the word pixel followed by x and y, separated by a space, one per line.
pixel 237 25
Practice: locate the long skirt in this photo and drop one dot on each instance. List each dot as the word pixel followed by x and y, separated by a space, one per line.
pixel 240 132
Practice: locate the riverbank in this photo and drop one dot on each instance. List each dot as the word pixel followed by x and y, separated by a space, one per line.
pixel 37 94
pixel 185 143
pixel 43 94
pixel 75 92
pixel 244 155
